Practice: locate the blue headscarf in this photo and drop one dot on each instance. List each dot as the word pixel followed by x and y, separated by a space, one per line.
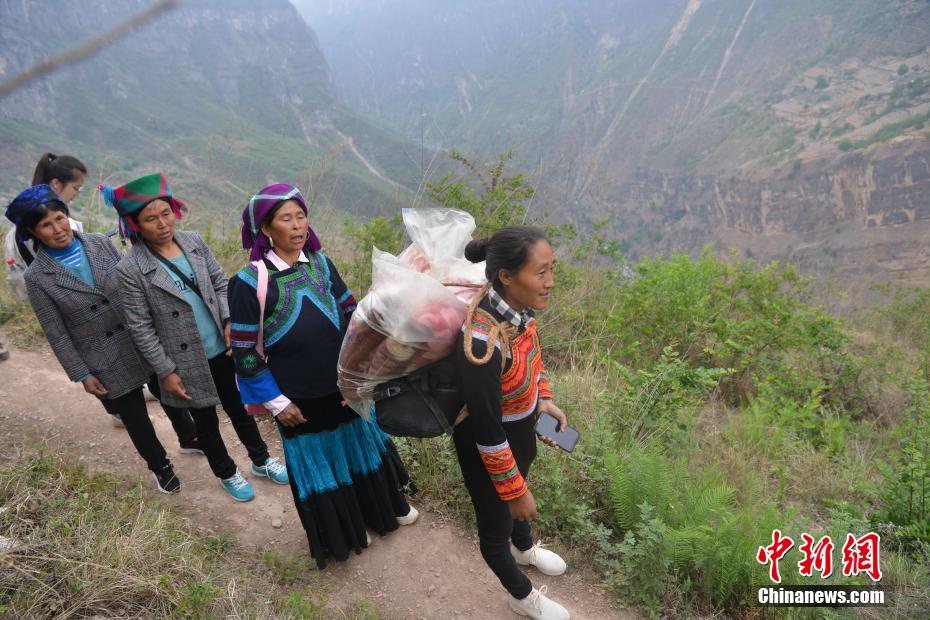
pixel 28 200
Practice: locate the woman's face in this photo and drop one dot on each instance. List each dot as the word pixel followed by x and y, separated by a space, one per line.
pixel 532 285
pixel 156 222
pixel 54 231
pixel 288 228
pixel 68 191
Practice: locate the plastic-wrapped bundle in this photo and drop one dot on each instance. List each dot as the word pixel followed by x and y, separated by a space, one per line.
pixel 415 308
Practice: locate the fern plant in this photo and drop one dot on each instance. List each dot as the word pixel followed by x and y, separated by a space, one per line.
pixel 640 474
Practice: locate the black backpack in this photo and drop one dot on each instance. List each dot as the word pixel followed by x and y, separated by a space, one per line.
pixel 425 403
pixel 428 401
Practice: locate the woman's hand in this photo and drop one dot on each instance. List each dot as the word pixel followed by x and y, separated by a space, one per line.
pixel 547 406
pixel 174 386
pixel 93 386
pixel 523 508
pixel 290 416
pixel 228 338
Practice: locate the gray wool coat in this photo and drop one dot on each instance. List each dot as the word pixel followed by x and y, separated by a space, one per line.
pixel 84 325
pixel 162 323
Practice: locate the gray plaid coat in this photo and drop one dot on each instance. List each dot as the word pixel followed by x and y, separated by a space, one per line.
pixel 162 323
pixel 84 325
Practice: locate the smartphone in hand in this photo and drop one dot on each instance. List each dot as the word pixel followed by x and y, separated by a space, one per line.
pixel 546 427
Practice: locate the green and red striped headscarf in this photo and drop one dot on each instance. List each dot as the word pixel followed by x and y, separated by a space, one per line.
pixel 131 198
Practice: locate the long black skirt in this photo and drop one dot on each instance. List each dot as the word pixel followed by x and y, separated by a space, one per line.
pixel 345 475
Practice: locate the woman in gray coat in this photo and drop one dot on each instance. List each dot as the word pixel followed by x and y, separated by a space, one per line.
pixel 72 287
pixel 174 294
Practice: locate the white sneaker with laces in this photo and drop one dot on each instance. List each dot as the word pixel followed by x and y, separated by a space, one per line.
pixel 538 605
pixel 409 518
pixel 545 561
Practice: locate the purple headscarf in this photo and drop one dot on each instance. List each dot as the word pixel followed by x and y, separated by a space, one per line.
pixel 258 209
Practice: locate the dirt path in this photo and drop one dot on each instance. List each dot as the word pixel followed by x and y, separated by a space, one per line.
pixel 429 570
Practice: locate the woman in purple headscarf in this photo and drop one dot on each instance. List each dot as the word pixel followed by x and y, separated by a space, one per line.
pixel 289 310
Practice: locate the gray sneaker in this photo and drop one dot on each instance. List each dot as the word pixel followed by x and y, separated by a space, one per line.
pixel 4 354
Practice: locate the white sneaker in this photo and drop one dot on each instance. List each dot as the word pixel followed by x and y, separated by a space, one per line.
pixel 545 561
pixel 409 518
pixel 538 605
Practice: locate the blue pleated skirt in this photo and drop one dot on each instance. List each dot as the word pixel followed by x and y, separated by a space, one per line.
pixel 345 476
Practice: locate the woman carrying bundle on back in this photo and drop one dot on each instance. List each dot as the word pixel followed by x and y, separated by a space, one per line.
pixel 174 293
pixel 504 393
pixel 289 310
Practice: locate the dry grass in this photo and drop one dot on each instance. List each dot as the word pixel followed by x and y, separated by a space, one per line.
pixel 79 546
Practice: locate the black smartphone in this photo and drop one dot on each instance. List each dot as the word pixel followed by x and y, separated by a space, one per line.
pixel 545 427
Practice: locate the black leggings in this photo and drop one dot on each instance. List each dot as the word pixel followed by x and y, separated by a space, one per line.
pixel 496 528
pixel 181 419
pixel 208 424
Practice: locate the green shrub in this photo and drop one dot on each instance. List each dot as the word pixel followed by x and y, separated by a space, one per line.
pixel 682 526
pixel 720 314
pixel 906 498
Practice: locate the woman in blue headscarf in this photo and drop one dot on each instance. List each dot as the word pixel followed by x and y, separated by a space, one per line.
pixel 71 284
pixel 289 310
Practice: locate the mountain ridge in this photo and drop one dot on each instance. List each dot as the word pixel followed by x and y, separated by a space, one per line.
pixel 623 109
pixel 229 97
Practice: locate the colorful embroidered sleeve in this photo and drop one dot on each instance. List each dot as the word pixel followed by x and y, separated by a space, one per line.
pixel 545 390
pixel 502 468
pixel 257 386
pixel 539 369
pixel 481 386
pixel 341 292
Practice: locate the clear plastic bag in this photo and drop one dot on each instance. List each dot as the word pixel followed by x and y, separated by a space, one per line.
pixel 415 308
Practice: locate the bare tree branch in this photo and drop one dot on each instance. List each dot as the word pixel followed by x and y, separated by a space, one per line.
pixel 86 49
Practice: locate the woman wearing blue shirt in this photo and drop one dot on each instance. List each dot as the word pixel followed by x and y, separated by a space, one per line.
pixel 174 292
pixel 72 287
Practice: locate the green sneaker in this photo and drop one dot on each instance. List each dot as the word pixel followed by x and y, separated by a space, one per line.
pixel 273 469
pixel 238 487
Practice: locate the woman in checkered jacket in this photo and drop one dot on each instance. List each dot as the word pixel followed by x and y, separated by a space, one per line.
pixel 174 292
pixel 71 284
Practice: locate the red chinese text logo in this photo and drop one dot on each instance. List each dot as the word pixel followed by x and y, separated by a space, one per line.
pixel 773 553
pixel 860 555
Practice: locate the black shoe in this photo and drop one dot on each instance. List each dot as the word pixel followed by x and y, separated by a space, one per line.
pixel 191 447
pixel 4 354
pixel 166 481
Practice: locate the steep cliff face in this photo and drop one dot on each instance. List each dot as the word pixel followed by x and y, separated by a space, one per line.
pixel 229 89
pixel 788 128
pixel 866 219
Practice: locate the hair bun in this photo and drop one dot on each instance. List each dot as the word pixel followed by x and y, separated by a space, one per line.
pixel 477 250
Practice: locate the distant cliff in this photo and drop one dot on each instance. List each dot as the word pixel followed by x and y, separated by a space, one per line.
pixel 763 124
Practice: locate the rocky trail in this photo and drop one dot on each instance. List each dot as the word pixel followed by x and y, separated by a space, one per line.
pixel 432 569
